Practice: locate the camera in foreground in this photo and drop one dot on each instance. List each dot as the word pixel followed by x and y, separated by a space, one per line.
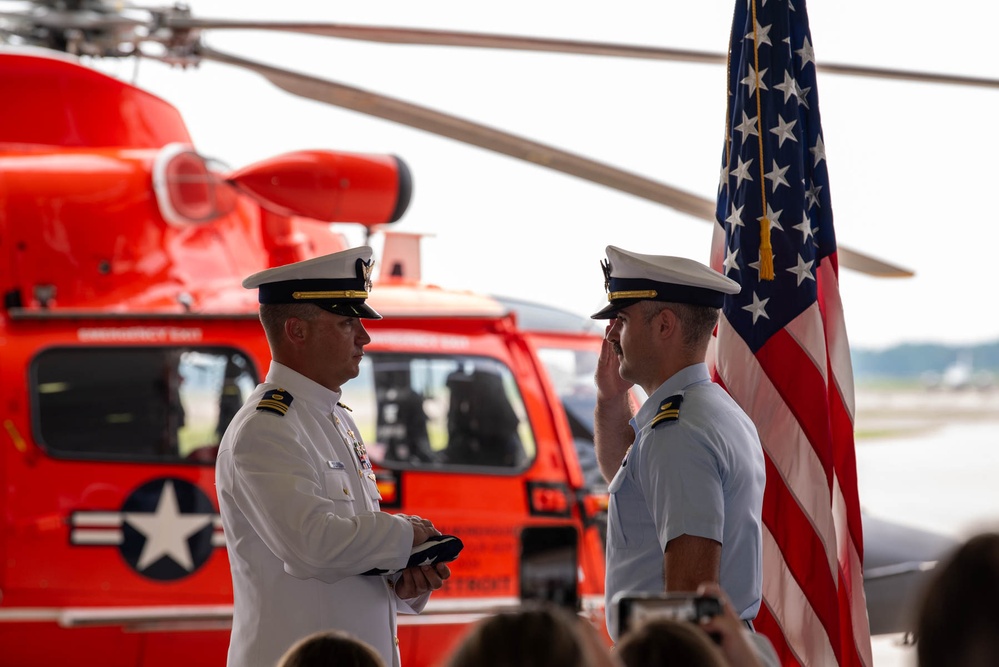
pixel 636 608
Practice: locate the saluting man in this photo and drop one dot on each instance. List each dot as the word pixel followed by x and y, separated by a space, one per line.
pixel 686 471
pixel 307 543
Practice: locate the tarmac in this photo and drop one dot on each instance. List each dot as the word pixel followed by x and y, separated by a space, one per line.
pixel 928 459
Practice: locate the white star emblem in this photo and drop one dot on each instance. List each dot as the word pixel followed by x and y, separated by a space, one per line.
pixel 812 195
pixel 747 127
pixel 428 561
pixel 166 530
pixel 735 217
pixel 805 227
pixel 762 34
pixel 731 260
pixel 752 80
pixel 741 172
pixel 773 216
pixel 802 94
pixel 757 308
pixel 776 176
pixel 803 270
pixel 806 52
pixel 818 150
pixel 784 130
pixel 789 87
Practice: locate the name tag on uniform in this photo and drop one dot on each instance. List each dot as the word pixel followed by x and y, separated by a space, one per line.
pixel 335 465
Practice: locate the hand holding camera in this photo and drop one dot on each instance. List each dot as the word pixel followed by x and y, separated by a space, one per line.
pixel 710 610
pixel 636 608
pixel 729 631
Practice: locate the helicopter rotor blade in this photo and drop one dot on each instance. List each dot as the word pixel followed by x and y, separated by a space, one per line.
pixel 491 139
pixel 510 42
pixel 872 266
pixel 472 133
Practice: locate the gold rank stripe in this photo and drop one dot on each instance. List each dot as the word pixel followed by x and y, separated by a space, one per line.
pixel 664 416
pixel 276 405
pixel 342 294
pixel 633 294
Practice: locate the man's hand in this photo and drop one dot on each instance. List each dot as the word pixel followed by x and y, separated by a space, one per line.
pixel 607 377
pixel 416 581
pixel 729 630
pixel 612 434
pixel 423 529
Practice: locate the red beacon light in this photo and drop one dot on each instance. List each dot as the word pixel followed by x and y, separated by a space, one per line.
pixel 329 186
pixel 188 190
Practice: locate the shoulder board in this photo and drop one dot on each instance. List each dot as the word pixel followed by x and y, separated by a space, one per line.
pixel 669 410
pixel 344 406
pixel 277 401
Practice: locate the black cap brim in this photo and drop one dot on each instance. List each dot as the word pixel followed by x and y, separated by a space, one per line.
pixel 610 311
pixel 361 310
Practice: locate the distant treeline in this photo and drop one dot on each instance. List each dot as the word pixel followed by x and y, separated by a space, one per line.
pixel 912 361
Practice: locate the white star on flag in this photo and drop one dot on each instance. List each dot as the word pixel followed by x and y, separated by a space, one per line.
pixel 757 308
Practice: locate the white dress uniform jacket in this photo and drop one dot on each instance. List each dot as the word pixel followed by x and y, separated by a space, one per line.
pixel 300 511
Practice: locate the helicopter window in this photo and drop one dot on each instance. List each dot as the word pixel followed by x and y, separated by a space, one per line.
pixel 161 404
pixel 440 412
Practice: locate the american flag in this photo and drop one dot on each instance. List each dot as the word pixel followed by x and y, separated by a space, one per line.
pixel 782 350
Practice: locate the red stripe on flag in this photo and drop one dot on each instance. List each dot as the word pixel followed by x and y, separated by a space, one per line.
pixel 804 390
pixel 846 649
pixel 845 462
pixel 769 627
pixel 803 551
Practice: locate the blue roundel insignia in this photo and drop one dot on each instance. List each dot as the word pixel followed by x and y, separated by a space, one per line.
pixel 166 530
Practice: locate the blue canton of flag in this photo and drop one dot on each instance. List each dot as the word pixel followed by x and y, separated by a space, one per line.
pixel 774 167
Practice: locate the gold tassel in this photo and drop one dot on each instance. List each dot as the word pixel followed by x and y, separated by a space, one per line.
pixel 766 251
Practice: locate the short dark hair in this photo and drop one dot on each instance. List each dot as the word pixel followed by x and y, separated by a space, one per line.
pixel 665 642
pixel 274 315
pixel 535 636
pixel 698 322
pixel 331 647
pixel 958 616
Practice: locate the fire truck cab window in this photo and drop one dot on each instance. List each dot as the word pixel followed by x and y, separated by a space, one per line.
pixel 158 404
pixel 440 412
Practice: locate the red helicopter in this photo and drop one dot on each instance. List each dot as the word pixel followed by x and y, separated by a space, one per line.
pixel 125 322
pixel 128 343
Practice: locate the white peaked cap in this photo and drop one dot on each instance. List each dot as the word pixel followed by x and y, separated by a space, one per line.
pixel 630 277
pixel 338 282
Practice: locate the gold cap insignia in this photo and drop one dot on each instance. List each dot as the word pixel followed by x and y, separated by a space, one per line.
pixel 368 267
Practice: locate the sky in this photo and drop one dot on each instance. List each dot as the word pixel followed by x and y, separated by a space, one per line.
pixel 911 164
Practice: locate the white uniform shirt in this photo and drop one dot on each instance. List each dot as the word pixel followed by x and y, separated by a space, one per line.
pixel 301 518
pixel 701 474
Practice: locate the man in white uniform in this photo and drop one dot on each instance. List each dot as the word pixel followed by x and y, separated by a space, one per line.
pixel 686 470
pixel 296 491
